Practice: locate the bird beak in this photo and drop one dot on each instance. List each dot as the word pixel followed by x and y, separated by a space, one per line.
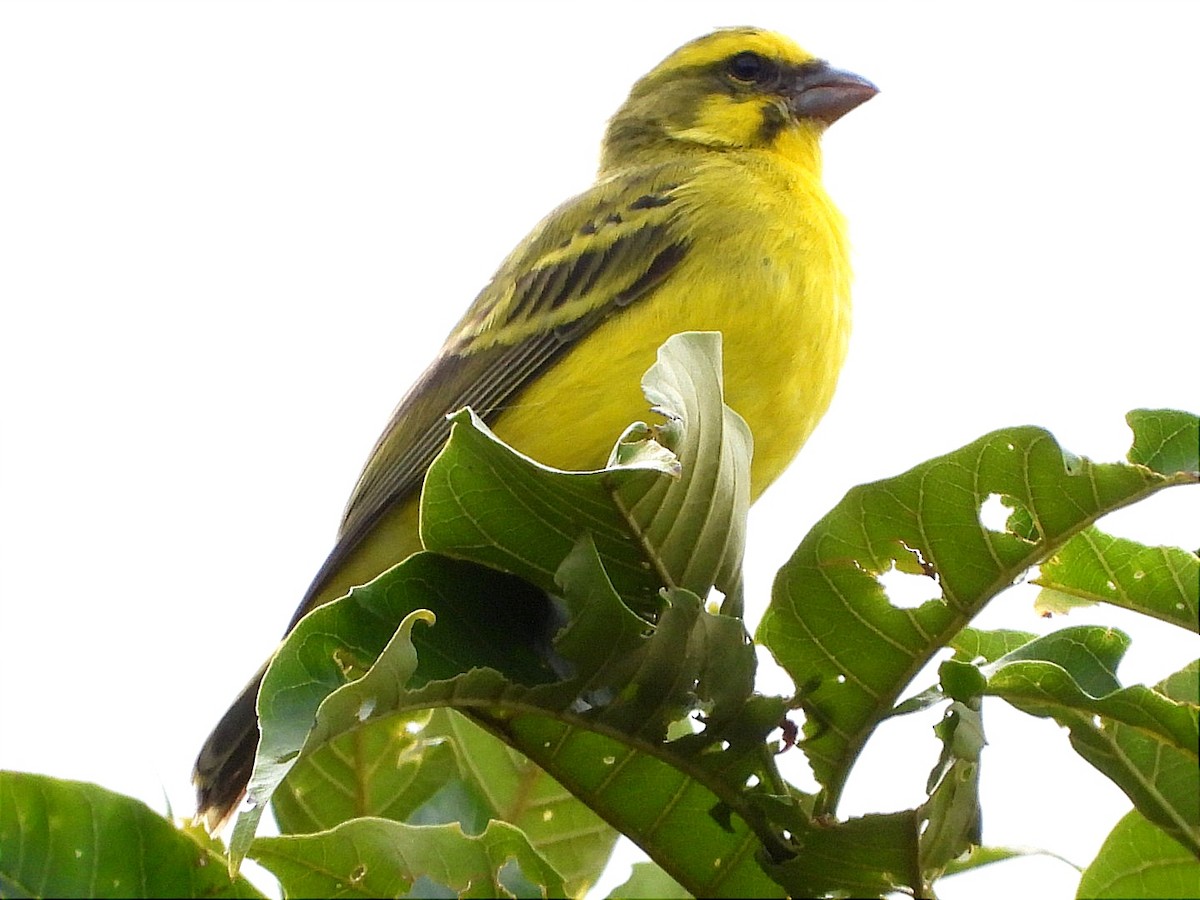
pixel 824 93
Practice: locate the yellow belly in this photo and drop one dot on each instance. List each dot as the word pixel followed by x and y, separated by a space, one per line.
pixel 768 269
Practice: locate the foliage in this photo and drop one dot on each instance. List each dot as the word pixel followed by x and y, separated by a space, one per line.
pixel 484 718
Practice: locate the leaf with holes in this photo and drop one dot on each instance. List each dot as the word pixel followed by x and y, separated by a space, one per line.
pixel 493 781
pixel 483 618
pixel 1094 567
pixel 1168 441
pixel 867 856
pixel 830 623
pixel 385 770
pixel 380 858
pixel 617 683
pixel 498 650
pixel 70 839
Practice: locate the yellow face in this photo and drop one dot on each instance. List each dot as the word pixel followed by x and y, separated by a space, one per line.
pixel 740 88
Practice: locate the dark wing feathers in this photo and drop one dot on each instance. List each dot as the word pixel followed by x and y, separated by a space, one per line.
pixel 615 256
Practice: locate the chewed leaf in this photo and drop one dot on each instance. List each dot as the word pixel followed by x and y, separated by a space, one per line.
pixel 379 858
pixel 71 839
pixel 831 624
pixel 562 601
pixel 1165 440
pixel 484 618
pixel 378 690
pixel 1095 567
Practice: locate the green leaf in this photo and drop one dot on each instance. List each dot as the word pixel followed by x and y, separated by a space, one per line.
pixel 1092 567
pixel 381 858
pixel 863 857
pixel 1165 440
pixel 696 525
pixel 70 839
pixel 971 646
pixel 976 645
pixel 387 769
pixel 664 803
pixel 1075 668
pixel 511 788
pixel 691 660
pixel 830 624
pixel 689 637
pixel 985 856
pixel 484 502
pixel 951 815
pixel 584 665
pixel 483 618
pixel 470 778
pixel 1139 860
pixel 1142 738
pixel 649 880
pixel 961 681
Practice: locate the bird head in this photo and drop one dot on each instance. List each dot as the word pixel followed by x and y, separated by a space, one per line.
pixel 737 88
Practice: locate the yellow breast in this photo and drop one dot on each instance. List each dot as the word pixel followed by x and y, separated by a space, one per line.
pixel 767 266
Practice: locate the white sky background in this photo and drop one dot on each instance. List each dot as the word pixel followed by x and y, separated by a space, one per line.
pixel 231 235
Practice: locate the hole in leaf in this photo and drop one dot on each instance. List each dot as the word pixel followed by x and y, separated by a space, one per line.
pixel 714 601
pixel 993 513
pixel 1072 463
pixel 772 678
pixel 366 708
pixel 907 591
pixel 794 766
pixel 512 878
pixel 910 580
pixel 1007 515
pixel 424 886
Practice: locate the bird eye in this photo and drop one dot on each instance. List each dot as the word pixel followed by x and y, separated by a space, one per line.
pixel 750 68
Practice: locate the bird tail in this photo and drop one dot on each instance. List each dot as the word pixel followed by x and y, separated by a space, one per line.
pixel 223 767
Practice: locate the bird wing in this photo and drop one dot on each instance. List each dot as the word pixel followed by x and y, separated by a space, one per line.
pixel 599 252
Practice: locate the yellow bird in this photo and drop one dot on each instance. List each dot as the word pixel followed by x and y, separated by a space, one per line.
pixel 707 214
